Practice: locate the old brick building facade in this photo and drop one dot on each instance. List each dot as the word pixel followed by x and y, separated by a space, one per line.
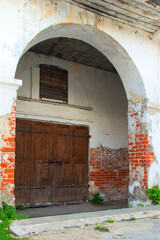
pixel 81 80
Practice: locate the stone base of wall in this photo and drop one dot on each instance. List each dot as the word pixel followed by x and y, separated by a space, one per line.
pixel 109 172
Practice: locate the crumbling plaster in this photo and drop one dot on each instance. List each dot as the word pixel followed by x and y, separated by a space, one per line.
pixel 38 20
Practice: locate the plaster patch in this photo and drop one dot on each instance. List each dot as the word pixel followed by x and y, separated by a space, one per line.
pixel 76 67
pixel 134 203
pixel 132 187
pixel 93 188
pixel 154 174
pixel 8 94
pixel 7 197
pixel 135 97
pixel 45 13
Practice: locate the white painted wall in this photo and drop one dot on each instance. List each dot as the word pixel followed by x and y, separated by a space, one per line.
pixel 89 87
pixel 8 95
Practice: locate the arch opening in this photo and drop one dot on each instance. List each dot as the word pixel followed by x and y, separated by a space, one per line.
pixel 136 96
pixel 96 105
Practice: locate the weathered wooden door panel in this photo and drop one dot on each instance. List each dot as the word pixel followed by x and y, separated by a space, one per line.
pixel 63 154
pixel 80 144
pixel 40 185
pixel 22 163
pixel 72 177
pixel 54 161
pixel 64 143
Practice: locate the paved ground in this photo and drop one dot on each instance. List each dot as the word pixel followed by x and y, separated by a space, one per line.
pixel 142 229
pixel 73 226
pixel 72 208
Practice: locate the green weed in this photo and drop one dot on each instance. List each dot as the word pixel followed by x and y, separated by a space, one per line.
pixel 101 228
pixel 140 205
pixel 154 194
pixel 7 214
pixel 21 207
pixel 96 198
pixel 110 220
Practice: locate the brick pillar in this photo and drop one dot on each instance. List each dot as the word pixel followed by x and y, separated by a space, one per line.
pixel 8 93
pixel 140 152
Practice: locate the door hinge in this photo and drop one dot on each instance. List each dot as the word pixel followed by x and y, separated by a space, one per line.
pixel 75 135
pixel 30 131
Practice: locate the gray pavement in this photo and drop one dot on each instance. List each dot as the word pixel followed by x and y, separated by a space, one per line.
pixel 61 222
pixel 63 209
pixel 142 229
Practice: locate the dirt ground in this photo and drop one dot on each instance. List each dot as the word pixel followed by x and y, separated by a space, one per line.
pixel 138 230
pixel 74 234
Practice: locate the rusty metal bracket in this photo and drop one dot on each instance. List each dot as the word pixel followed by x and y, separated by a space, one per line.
pixel 30 131
pixel 75 135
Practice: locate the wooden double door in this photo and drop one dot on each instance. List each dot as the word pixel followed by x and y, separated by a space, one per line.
pixel 51 162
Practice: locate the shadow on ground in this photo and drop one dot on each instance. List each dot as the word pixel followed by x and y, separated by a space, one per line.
pixel 71 208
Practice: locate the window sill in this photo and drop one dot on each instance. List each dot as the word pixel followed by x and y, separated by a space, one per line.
pixel 54 103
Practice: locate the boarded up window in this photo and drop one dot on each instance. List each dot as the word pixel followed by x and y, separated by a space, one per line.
pixel 53 83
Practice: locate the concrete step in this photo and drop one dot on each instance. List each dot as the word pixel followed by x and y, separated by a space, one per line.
pixel 58 223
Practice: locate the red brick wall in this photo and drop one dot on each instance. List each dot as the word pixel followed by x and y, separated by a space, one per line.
pixel 109 172
pixel 7 152
pixel 140 155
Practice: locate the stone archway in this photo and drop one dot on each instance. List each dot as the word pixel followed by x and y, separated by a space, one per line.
pixel 139 155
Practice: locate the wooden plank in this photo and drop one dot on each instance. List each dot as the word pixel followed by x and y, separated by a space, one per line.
pixel 81 163
pixel 52 93
pixel 134 9
pixel 71 182
pixel 40 191
pixel 133 6
pixel 53 87
pixel 81 145
pixel 22 163
pixel 52 71
pixel 53 83
pixel 64 150
pixel 137 22
pixel 123 14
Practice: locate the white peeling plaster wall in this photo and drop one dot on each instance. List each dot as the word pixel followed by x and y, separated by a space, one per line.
pixel 154 133
pixel 153 117
pixel 8 94
pixel 22 20
pixel 88 87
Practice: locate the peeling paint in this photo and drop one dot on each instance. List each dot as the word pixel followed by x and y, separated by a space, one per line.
pixel 76 67
pixel 141 152
pixel 135 97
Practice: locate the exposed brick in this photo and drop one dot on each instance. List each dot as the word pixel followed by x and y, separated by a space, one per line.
pixel 111 174
pixel 7 151
pixel 140 158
